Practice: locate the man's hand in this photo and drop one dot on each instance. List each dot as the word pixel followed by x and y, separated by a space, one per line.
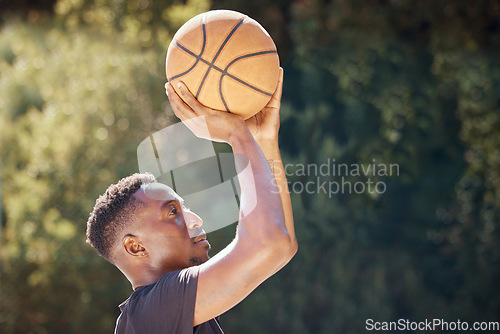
pixel 266 123
pixel 202 121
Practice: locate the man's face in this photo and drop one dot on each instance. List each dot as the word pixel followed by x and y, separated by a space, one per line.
pixel 168 230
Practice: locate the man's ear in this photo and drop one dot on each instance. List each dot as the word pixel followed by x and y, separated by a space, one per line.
pixel 133 246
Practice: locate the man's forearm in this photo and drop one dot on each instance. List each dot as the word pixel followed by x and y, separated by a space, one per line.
pixel 261 211
pixel 270 149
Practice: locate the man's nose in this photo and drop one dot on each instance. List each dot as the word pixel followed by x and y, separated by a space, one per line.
pixel 192 220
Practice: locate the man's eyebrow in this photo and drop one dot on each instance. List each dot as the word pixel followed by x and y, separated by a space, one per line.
pixel 166 203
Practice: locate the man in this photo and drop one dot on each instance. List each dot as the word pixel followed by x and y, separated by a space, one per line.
pixel 144 229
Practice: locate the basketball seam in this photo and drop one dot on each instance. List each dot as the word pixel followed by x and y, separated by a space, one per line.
pixel 225 73
pixel 222 71
pixel 197 57
pixel 221 47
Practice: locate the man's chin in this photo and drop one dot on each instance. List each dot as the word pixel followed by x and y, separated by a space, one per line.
pixel 196 261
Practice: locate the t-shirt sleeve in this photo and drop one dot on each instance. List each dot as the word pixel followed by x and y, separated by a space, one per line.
pixel 164 307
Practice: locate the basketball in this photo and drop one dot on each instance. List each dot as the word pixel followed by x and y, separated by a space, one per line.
pixel 227 60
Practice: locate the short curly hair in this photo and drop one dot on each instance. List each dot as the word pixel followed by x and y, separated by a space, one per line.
pixel 112 211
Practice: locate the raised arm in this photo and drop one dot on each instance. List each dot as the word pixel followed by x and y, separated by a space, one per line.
pixel 262 243
pixel 264 126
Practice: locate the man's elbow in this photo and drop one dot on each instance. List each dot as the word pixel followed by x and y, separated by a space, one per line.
pixel 287 246
pixel 294 247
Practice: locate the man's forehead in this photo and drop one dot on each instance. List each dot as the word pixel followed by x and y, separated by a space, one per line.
pixel 160 192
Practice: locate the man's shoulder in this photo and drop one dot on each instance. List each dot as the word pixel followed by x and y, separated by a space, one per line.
pixel 166 306
pixel 168 285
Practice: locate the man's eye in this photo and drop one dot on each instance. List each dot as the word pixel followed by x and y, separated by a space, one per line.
pixel 173 211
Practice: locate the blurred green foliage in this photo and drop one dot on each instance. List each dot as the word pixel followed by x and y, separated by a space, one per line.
pixel 77 98
pixel 392 82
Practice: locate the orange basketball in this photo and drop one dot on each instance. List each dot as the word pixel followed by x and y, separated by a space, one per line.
pixel 227 60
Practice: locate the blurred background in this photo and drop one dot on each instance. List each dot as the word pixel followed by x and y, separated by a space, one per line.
pixel 375 82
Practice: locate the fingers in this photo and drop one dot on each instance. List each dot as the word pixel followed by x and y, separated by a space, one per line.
pixel 276 98
pixel 180 108
pixel 189 98
pixel 279 88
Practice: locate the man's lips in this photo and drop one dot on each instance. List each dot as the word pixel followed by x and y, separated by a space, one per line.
pixel 200 238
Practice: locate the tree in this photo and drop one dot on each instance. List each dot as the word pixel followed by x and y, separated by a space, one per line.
pixel 76 102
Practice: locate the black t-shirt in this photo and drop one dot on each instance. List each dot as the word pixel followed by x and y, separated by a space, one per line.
pixel 166 306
